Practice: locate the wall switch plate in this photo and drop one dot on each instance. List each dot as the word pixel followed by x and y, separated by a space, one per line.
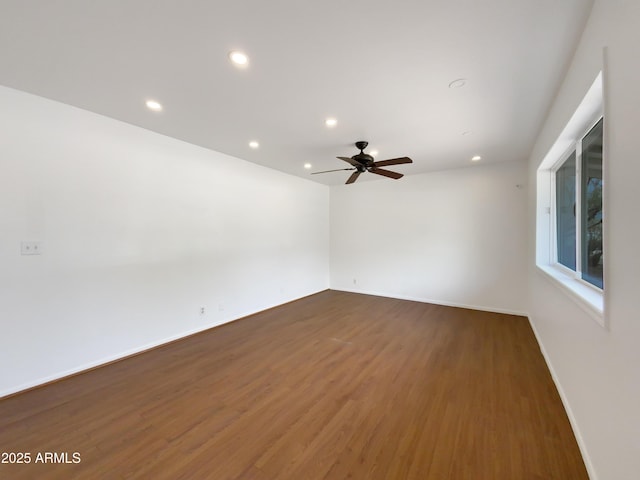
pixel 31 248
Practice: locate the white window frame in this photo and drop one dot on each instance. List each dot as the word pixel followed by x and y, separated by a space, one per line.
pixel 589 297
pixel 577 148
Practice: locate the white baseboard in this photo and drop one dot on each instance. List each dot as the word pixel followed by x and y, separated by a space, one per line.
pixel 127 353
pixel 438 302
pixel 572 420
pixel 104 361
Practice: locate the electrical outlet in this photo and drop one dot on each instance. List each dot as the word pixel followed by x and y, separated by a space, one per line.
pixel 354 281
pixel 202 310
pixel 31 248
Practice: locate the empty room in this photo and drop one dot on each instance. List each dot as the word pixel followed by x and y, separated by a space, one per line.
pixel 319 240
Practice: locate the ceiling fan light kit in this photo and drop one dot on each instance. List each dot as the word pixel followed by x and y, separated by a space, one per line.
pixel 363 162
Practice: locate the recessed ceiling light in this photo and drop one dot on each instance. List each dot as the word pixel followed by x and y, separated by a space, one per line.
pixel 307 166
pixel 476 158
pixel 373 153
pixel 459 82
pixel 254 144
pixel 153 105
pixel 331 122
pixel 238 58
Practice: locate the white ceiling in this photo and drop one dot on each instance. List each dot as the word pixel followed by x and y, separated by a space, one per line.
pixel 381 67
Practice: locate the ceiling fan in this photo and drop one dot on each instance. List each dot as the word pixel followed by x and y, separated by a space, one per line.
pixel 363 162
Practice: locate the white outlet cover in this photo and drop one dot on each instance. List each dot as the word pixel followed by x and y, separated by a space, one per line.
pixel 31 248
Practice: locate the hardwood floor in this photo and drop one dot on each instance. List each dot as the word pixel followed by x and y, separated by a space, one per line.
pixel 333 386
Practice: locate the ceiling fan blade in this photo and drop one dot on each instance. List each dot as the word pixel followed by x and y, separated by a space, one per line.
pixel 393 161
pixel 386 173
pixel 354 176
pixel 336 170
pixel 353 162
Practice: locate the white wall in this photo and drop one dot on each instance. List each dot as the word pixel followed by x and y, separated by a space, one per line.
pixel 598 370
pixel 455 237
pixel 139 231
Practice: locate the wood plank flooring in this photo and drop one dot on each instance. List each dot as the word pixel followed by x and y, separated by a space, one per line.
pixel 333 386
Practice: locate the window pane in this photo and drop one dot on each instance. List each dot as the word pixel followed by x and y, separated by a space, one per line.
pixel 566 212
pixel 592 206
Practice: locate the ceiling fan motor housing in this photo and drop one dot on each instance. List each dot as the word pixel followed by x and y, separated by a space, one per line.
pixel 363 158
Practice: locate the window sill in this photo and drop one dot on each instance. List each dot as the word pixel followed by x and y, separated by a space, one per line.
pixel 586 297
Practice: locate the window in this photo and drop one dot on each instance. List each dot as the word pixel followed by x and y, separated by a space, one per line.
pixel 570 210
pixel 566 213
pixel 578 208
pixel 591 207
